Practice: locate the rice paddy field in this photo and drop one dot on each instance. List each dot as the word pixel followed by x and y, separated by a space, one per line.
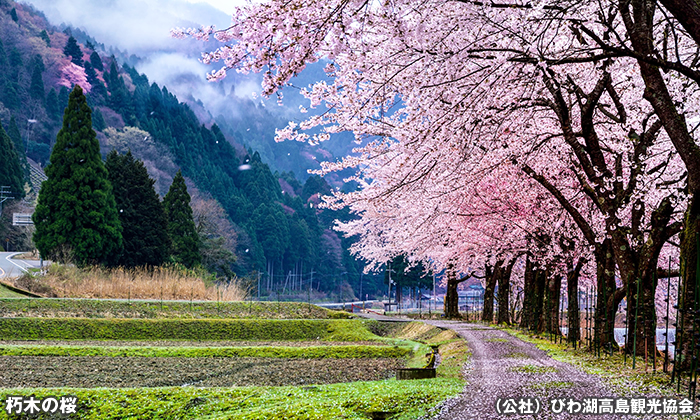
pixel 227 360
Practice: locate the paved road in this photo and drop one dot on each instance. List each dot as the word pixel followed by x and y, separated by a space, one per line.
pixel 502 366
pixel 14 268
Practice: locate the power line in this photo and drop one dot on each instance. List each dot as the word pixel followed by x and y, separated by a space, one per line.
pixel 5 194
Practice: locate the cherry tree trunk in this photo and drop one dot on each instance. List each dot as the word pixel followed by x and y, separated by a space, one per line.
pixel 573 314
pixel 641 335
pixel 540 290
pixel 689 302
pixel 608 298
pixel 504 293
pixel 550 314
pixel 527 319
pixel 491 280
pixel 451 297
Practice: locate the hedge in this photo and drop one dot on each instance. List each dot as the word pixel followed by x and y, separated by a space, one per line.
pixel 181 329
pixel 109 308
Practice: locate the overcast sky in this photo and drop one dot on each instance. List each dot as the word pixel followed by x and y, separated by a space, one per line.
pixel 138 26
pixel 142 27
pixel 226 6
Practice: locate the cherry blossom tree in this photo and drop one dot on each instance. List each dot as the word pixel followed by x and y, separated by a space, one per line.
pixel 440 93
pixel 72 74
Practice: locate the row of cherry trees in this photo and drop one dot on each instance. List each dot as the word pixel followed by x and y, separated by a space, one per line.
pixel 564 131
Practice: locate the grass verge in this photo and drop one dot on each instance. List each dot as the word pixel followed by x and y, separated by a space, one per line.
pixel 7 293
pixel 314 352
pixel 348 401
pixel 408 399
pixel 613 369
pixel 150 309
pixel 183 329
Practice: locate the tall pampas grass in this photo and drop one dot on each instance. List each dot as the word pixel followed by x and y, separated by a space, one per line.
pixel 168 283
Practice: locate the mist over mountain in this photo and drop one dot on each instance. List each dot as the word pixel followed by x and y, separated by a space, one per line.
pixel 138 33
pixel 264 222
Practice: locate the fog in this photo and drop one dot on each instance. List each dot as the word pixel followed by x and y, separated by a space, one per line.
pixel 140 31
pixel 142 28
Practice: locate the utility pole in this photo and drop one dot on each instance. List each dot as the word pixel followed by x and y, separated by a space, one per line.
pixel 5 194
pixel 434 298
pixel 361 275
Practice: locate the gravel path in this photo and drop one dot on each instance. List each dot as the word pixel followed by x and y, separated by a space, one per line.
pixel 502 366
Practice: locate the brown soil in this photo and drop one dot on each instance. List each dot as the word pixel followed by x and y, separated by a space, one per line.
pixel 122 372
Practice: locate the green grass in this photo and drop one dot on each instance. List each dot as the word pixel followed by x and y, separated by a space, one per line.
pixel 182 329
pixel 613 370
pixel 348 401
pixel 104 308
pixel 409 399
pixel 7 293
pixel 313 352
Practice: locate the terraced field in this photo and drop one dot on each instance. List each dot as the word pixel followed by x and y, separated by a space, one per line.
pixel 102 351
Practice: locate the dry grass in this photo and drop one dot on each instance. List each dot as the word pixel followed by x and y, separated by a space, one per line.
pixel 168 283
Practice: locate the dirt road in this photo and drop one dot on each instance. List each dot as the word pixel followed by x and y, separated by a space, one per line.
pixel 514 377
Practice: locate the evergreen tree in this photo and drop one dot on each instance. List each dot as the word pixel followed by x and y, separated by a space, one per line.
pixel 181 227
pixel 45 36
pixel 145 227
pixel 96 61
pixel 72 49
pixel 13 132
pixel 62 99
pixel 98 92
pixel 98 121
pixel 10 97
pixel 38 61
pixel 3 55
pixel 10 169
pixel 36 88
pixel 13 15
pixel 76 217
pixel 16 58
pixel 52 108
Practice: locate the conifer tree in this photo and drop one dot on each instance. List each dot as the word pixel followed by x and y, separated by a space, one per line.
pixel 36 88
pixel 96 61
pixel 141 213
pixel 3 55
pixel 98 120
pixel 13 15
pixel 52 108
pixel 62 99
pixel 181 227
pixel 45 36
pixel 76 217
pixel 10 169
pixel 13 132
pixel 10 98
pixel 72 49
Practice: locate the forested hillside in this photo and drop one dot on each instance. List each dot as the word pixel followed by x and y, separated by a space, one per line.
pixel 255 223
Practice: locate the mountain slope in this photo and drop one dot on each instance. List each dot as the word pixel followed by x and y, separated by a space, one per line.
pixel 279 230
